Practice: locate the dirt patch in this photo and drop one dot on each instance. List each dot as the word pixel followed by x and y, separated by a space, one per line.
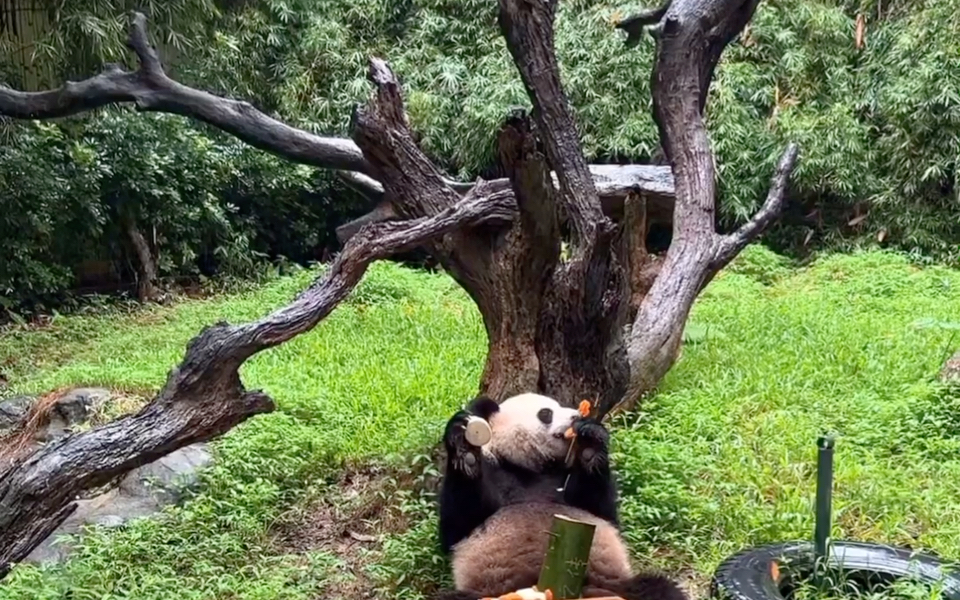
pixel 694 585
pixel 352 516
pixel 349 519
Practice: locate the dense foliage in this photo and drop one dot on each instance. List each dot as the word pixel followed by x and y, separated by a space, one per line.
pixel 878 123
pixel 205 202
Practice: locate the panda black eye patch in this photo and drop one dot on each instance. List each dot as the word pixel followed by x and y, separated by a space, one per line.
pixel 545 415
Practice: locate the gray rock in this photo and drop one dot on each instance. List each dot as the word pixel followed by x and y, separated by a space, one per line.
pixel 143 492
pixel 165 479
pixel 108 521
pixel 78 405
pixel 74 408
pixel 13 411
pixel 110 509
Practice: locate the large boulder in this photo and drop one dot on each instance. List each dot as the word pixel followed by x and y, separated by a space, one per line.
pixel 142 492
pixel 167 478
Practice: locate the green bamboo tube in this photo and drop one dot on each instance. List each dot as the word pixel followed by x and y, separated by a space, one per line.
pixel 565 565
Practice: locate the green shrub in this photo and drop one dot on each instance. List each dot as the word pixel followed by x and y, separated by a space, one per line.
pixel 877 126
pixel 207 204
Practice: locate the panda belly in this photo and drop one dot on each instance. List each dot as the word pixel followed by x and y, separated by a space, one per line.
pixel 506 553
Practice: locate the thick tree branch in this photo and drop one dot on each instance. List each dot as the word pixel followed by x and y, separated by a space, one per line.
pixel 203 397
pixel 380 213
pixel 522 264
pixel 415 187
pixel 151 90
pixel 692 36
pixel 732 244
pixel 412 183
pixel 362 184
pixel 586 295
pixel 635 25
pixel 528 29
pixel 613 182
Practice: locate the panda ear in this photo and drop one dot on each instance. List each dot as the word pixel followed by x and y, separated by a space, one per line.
pixel 483 406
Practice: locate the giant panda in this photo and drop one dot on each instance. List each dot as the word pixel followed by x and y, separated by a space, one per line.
pixel 497 501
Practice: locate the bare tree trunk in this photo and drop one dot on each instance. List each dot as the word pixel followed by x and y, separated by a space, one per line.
pixel 147 278
pixel 604 323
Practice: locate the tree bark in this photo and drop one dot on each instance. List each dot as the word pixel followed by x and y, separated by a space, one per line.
pixel 602 324
pixel 691 36
pixel 147 277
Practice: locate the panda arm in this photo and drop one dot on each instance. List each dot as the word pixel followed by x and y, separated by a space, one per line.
pixel 462 509
pixel 463 503
pixel 591 485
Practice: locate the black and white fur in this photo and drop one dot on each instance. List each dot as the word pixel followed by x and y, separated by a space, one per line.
pixel 497 502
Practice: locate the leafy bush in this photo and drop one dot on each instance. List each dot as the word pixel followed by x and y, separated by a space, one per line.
pixel 48 185
pixel 206 203
pixel 878 126
pixel 760 263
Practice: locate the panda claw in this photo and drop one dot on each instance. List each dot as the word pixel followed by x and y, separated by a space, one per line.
pixel 463 456
pixel 589 431
pixel 592 438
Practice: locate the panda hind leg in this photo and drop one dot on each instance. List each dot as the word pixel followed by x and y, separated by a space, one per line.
pixel 650 586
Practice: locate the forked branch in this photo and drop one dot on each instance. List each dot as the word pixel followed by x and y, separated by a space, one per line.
pixel 528 29
pixel 412 183
pixel 635 25
pixel 691 36
pixel 732 244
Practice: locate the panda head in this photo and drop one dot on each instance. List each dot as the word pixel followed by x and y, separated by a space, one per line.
pixel 528 431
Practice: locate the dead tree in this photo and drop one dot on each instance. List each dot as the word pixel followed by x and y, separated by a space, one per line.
pixel 603 323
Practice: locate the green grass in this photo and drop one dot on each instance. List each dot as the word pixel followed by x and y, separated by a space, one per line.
pixel 721 458
pixel 837 585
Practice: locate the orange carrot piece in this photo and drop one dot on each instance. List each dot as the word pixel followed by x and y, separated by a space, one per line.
pixel 584 408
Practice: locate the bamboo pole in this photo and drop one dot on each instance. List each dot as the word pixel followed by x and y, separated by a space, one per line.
pixel 565 565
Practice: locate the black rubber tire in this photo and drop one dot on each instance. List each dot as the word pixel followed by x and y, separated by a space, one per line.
pixel 748 575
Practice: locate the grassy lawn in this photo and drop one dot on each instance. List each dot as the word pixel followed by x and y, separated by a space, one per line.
pixel 721 458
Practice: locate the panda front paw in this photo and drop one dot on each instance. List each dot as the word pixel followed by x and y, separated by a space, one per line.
pixel 462 456
pixel 592 441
